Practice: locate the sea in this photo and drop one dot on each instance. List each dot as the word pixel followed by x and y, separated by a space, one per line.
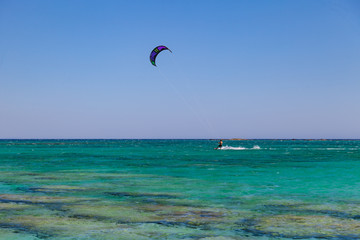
pixel 179 189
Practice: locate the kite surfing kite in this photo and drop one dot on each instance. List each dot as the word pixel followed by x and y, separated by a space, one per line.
pixel 155 52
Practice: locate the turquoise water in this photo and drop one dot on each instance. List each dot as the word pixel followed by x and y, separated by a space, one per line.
pixel 179 189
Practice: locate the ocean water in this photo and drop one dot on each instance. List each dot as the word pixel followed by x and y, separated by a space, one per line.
pixel 179 189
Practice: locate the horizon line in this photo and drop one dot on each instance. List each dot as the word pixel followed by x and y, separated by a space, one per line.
pixel 228 139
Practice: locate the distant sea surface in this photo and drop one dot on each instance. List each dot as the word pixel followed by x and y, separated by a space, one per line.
pixel 179 189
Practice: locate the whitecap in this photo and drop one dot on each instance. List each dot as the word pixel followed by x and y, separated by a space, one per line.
pixel 238 148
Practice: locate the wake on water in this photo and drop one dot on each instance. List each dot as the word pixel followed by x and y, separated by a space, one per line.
pixel 238 148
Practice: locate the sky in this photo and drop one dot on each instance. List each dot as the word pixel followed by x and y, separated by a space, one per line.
pixel 238 69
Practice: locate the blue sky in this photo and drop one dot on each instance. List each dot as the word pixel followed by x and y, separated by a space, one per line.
pixel 250 69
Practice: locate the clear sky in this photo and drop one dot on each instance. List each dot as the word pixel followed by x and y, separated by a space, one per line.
pixel 248 69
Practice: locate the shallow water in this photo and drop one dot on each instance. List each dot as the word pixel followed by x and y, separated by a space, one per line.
pixel 179 189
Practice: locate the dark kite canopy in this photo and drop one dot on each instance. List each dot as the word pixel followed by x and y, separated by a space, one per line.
pixel 155 52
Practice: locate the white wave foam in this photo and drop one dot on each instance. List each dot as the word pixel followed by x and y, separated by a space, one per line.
pixel 238 148
pixel 231 148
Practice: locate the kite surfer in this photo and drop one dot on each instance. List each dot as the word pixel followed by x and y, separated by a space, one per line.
pixel 220 144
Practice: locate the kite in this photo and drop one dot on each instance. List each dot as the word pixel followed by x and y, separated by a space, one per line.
pixel 155 52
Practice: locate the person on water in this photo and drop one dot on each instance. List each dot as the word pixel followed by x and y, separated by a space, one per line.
pixel 220 144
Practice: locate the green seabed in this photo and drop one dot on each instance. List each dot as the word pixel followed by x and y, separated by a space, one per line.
pixel 179 189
